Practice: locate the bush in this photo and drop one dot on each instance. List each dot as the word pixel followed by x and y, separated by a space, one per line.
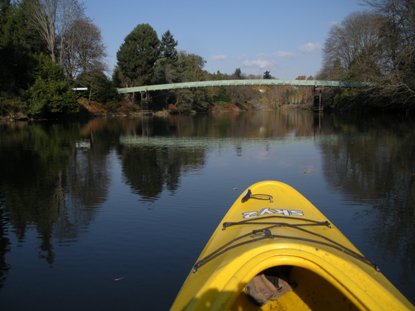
pixel 100 88
pixel 50 94
pixel 10 105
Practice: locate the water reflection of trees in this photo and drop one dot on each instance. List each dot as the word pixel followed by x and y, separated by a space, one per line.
pixel 4 244
pixel 245 125
pixel 86 186
pixel 149 169
pixel 48 184
pixel 373 162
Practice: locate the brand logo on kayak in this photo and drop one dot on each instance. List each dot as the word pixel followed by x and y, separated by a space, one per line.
pixel 272 211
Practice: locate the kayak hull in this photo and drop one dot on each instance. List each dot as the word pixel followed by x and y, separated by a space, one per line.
pixel 272 227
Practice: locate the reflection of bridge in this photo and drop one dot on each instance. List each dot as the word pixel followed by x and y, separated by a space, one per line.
pixel 211 142
pixel 216 83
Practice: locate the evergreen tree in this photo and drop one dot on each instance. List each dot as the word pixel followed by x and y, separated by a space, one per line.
pixel 237 74
pixel 168 47
pixel 17 46
pixel 165 70
pixel 138 54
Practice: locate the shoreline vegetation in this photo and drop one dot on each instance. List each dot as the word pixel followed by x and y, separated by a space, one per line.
pixel 89 109
pixel 40 69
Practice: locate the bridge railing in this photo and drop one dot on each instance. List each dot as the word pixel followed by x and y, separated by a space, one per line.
pixel 218 83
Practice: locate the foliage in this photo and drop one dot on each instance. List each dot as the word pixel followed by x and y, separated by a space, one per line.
pixel 190 68
pixel 138 54
pixel 17 42
pixel 52 19
pixel 237 74
pixel 223 95
pixel 26 74
pixel 376 46
pixel 165 68
pixel 168 47
pixel 100 88
pixel 50 94
pixel 352 49
pixel 84 50
pixel 10 106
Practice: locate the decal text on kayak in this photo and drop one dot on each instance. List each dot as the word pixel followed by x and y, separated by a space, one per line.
pixel 272 211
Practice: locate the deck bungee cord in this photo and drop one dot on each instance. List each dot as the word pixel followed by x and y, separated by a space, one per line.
pixel 265 233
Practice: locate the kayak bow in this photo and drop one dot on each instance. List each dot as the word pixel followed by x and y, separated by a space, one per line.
pixel 274 250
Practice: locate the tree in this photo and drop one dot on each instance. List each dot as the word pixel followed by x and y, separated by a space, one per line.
pixel 168 47
pixel 5 7
pixel 165 68
pixel 100 88
pixel 84 50
pixel 352 49
pixel 138 54
pixel 43 19
pixel 267 75
pixel 237 74
pixel 52 19
pixel 50 94
pixel 398 43
pixel 18 44
pixel 190 68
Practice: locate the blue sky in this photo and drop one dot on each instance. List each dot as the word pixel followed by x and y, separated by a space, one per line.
pixel 285 37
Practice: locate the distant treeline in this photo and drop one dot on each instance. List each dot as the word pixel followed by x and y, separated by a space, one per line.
pixel 48 47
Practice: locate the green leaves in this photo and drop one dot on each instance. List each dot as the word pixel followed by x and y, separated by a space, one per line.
pixel 138 54
pixel 50 94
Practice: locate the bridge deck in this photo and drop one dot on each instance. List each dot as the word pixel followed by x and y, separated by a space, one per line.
pixel 216 83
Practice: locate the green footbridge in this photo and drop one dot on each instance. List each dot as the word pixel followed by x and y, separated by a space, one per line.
pixel 259 82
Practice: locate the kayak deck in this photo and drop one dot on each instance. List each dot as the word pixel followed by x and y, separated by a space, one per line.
pixel 272 232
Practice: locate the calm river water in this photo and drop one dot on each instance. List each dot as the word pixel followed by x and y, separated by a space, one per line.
pixel 110 214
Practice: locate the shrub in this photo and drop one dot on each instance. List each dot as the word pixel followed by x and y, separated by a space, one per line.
pixel 50 94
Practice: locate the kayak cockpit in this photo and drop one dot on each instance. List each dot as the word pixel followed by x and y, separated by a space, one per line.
pixel 293 288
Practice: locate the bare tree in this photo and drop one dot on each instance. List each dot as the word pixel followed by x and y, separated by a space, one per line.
pixel 84 50
pixel 352 48
pixel 377 46
pixel 72 39
pixel 398 43
pixel 52 18
pixel 42 16
pixel 69 11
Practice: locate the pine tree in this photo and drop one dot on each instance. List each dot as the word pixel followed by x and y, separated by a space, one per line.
pixel 267 75
pixel 168 47
pixel 138 55
pixel 166 66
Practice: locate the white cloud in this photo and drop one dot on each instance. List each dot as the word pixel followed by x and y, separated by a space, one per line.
pixel 260 62
pixel 310 47
pixel 283 54
pixel 219 57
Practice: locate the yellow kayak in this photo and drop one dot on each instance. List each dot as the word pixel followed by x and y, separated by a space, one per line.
pixel 274 250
